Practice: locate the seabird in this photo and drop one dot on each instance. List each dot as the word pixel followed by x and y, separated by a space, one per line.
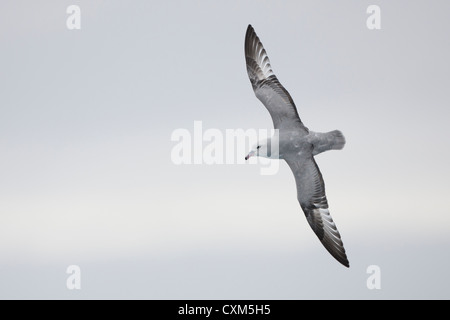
pixel 296 144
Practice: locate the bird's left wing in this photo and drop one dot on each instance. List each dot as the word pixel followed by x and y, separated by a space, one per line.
pixel 267 88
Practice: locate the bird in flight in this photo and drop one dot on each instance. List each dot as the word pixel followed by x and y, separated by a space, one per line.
pixel 296 144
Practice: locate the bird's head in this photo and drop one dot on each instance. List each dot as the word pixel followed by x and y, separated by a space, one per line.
pixel 263 148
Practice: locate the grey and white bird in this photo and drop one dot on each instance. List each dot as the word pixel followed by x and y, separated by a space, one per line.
pixel 296 144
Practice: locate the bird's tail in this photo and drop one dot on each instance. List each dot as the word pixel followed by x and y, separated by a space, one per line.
pixel 337 140
pixel 333 140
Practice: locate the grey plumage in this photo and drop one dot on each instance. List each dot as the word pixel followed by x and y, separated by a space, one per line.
pixel 297 145
pixel 266 86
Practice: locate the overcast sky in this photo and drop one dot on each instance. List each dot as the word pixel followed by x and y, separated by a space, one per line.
pixel 86 176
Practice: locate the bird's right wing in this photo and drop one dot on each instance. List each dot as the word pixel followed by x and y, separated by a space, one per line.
pixel 312 198
pixel 267 88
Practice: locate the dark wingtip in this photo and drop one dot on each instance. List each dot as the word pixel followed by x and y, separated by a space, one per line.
pixel 337 251
pixel 250 30
pixel 342 260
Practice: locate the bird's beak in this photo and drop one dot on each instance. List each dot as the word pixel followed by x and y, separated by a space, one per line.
pixel 251 154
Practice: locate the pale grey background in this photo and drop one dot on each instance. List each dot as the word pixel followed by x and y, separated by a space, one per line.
pixel 85 171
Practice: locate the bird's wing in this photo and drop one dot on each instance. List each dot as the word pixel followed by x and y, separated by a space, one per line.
pixel 312 198
pixel 267 88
